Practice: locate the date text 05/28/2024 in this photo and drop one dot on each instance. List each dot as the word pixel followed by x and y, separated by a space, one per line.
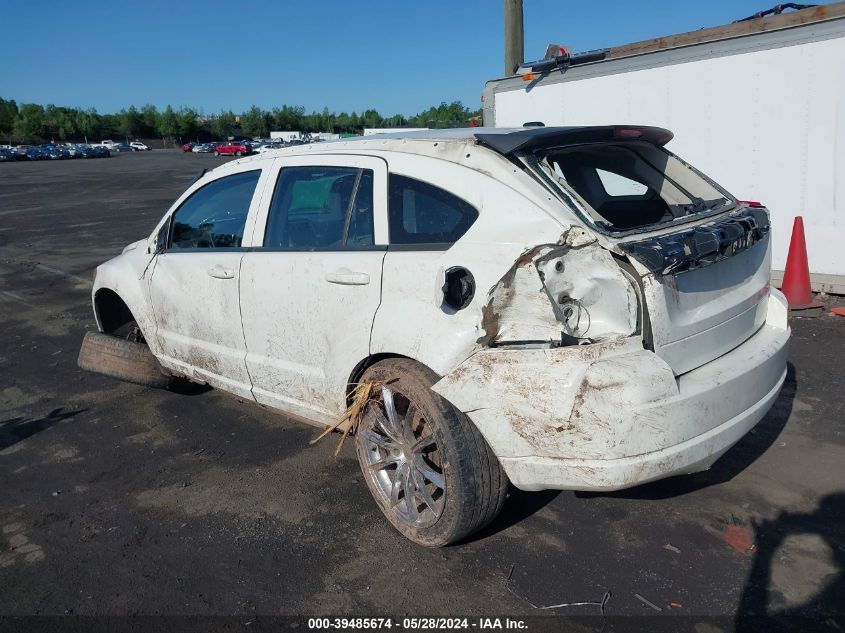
pixel 416 624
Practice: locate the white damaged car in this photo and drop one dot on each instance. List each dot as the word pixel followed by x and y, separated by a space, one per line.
pixel 568 308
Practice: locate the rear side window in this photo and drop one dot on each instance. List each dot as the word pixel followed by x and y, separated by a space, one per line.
pixel 215 215
pixel 321 208
pixel 421 213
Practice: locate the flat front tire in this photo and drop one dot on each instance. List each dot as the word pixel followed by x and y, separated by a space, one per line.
pixel 427 466
pixel 122 359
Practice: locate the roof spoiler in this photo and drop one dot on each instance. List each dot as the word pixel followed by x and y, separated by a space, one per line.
pixel 534 138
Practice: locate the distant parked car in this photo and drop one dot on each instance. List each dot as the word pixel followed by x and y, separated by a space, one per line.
pixel 236 148
pixel 187 147
pixel 269 146
pixel 101 151
pixel 120 147
pixel 204 148
pixel 138 146
pixel 85 151
pixel 55 152
pixel 15 154
pixel 36 153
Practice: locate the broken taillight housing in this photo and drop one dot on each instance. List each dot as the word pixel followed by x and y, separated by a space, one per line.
pixel 588 297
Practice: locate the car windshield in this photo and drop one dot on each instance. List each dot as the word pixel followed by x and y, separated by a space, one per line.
pixel 632 185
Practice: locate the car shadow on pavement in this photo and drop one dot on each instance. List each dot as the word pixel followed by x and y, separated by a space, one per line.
pixel 185 387
pixel 15 430
pixel 737 459
pixel 518 506
pixel 761 607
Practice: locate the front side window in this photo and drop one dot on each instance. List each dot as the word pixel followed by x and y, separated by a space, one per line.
pixel 421 213
pixel 215 215
pixel 318 207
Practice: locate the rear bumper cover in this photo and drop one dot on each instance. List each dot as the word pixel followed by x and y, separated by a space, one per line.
pixel 612 416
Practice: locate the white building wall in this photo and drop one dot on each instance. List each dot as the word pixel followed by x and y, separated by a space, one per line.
pixel 768 125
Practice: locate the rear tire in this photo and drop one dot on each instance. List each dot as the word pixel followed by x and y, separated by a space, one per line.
pixel 238 153
pixel 120 358
pixel 457 485
pixel 216 153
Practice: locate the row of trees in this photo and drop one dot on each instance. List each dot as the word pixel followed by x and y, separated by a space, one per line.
pixel 31 122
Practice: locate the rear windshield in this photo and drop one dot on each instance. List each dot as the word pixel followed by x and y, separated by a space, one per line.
pixel 633 185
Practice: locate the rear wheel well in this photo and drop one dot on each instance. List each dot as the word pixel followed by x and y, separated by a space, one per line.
pixel 112 311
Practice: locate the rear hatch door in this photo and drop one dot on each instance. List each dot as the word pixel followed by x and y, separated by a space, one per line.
pixel 706 287
pixel 703 258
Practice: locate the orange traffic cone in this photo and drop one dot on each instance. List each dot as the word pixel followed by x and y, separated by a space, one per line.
pixel 796 277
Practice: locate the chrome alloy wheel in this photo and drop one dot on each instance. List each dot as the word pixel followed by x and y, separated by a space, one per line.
pixel 403 460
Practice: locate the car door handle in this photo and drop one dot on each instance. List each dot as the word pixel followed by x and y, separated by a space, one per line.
pixel 346 277
pixel 219 272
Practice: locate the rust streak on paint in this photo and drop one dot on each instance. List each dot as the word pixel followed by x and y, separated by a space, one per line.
pixel 490 323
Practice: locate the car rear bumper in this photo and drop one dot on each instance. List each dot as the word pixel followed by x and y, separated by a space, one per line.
pixel 694 455
pixel 613 418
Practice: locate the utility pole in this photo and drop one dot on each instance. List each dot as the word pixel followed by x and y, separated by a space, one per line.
pixel 514 39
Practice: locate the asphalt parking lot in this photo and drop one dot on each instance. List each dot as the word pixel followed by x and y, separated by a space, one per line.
pixel 122 500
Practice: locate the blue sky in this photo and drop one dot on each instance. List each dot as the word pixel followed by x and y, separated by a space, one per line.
pixel 398 56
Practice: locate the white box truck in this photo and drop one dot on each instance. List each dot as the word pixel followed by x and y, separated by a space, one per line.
pixel 758 105
pixel 286 136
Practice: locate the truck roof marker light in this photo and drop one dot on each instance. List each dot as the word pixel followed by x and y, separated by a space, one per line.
pixel 529 77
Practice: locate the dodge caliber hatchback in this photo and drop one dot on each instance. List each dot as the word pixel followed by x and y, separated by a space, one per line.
pixel 568 308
